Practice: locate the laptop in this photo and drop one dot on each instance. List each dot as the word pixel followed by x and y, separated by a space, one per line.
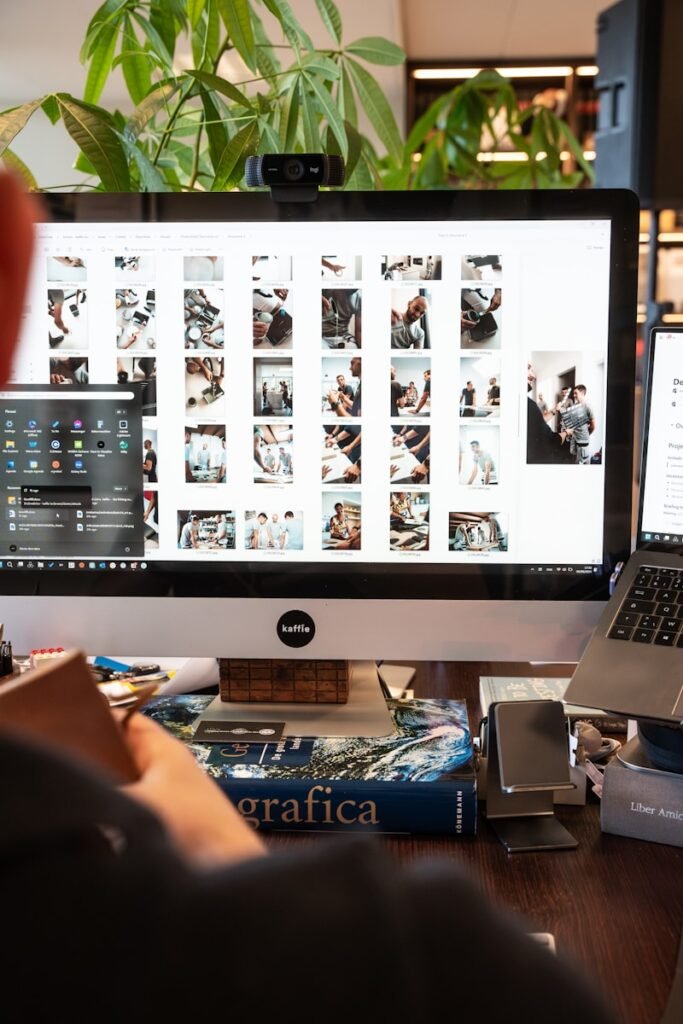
pixel 633 664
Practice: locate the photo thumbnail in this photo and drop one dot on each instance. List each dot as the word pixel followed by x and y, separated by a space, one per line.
pixel 140 267
pixel 203 268
pixel 135 318
pixel 67 318
pixel 205 531
pixel 150 517
pixel 411 268
pixel 480 317
pixel 341 385
pixel 342 320
pixel 341 453
pixel 481 268
pixel 480 386
pixel 272 322
pixel 273 455
pixel 409 455
pixel 205 453
pixel 341 521
pixel 410 318
pixel 341 268
pixel 140 370
pixel 273 387
pixel 204 318
pixel 271 268
pixel 477 531
pixel 66 268
pixel 479 455
pixel 274 531
pixel 72 370
pixel 149 455
pixel 204 386
pixel 409 521
pixel 410 387
pixel 565 408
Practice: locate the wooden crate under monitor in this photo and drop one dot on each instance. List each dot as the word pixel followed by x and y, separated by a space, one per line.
pixel 275 680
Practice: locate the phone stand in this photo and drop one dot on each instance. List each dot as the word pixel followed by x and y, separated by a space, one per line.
pixel 521 778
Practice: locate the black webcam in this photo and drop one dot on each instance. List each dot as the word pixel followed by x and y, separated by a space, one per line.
pixel 294 177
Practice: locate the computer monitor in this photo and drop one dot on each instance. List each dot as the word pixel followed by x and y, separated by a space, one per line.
pixel 221 440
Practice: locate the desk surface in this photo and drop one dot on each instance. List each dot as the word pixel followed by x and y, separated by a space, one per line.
pixel 615 905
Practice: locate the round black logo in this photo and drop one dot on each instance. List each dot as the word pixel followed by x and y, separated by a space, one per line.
pixel 295 629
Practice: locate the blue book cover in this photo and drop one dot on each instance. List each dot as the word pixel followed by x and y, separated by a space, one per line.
pixel 420 779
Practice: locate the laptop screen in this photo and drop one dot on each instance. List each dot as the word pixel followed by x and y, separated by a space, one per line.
pixel 661 509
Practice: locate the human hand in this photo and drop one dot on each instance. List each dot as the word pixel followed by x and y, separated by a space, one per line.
pixel 495 301
pixel 327 305
pixel 352 474
pixel 326 471
pixel 420 473
pixel 393 468
pixel 205 826
pixel 259 331
pixel 396 317
pixel 281 293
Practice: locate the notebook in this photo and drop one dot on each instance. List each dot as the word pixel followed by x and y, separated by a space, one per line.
pixel 633 664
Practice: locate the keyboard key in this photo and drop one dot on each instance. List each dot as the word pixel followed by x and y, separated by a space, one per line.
pixel 643 579
pixel 639 607
pixel 629 619
pixel 620 633
pixel 671 625
pixel 679 597
pixel 665 639
pixel 643 593
pixel 666 595
pixel 677 584
pixel 662 571
pixel 650 569
pixel 669 611
pixel 643 636
pixel 650 622
pixel 660 581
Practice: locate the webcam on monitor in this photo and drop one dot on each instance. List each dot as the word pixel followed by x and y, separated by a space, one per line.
pixel 294 177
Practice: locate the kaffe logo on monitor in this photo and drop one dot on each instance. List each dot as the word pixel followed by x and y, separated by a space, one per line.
pixel 295 629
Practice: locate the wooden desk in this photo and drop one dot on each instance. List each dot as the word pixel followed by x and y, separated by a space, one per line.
pixel 615 905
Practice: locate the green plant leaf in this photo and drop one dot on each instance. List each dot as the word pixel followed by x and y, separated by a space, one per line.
pixel 309 118
pixel 331 18
pixel 269 140
pixel 376 50
pixel 318 64
pixel 164 16
pixel 575 148
pixel 104 17
pixel 330 111
pixel 135 65
pixel 292 29
pixel 12 121
pixel 236 15
pixel 151 179
pixel 82 164
pixel 195 9
pixel 345 98
pixel 212 37
pixel 217 84
pixel 289 118
pixel 156 43
pixel 155 101
pixel 231 164
pixel 14 163
pixel 51 108
pixel 377 108
pixel 100 63
pixel 355 144
pixel 216 131
pixel 424 124
pixel 267 63
pixel 92 130
pixel 361 179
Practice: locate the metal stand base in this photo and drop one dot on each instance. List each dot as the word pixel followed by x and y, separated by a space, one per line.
pixel 365 713
pixel 526 835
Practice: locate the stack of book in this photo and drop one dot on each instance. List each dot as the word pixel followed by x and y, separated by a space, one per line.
pixel 419 779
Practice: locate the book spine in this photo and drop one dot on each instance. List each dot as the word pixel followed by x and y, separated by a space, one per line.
pixel 319 805
pixel 642 805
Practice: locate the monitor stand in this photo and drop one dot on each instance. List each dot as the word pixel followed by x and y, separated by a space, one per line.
pixel 365 713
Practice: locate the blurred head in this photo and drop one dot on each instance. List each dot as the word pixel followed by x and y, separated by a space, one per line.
pixel 17 214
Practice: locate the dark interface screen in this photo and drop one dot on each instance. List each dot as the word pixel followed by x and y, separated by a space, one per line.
pixel 72 472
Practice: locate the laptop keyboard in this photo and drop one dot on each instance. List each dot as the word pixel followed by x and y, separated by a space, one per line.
pixel 651 611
